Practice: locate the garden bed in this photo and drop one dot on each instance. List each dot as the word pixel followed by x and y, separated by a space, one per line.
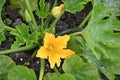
pixel 68 21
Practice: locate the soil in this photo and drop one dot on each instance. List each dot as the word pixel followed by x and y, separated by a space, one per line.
pixel 67 21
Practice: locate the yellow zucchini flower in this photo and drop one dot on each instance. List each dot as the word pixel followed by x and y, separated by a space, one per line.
pixel 54 49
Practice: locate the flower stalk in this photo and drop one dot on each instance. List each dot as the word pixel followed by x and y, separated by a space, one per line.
pixel 42 67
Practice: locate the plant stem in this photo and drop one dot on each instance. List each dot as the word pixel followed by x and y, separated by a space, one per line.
pixel 54 23
pixel 9 28
pixel 42 67
pixel 85 20
pixel 76 33
pixel 18 49
pixel 68 31
pixel 56 70
pixel 31 14
pixel 47 21
pixel 49 17
pixel 42 24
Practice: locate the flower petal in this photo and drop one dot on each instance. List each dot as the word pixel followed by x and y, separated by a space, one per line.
pixel 61 41
pixel 48 39
pixel 57 60
pixel 42 52
pixel 52 60
pixel 66 53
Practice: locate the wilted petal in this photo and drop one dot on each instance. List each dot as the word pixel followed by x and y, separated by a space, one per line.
pixel 42 52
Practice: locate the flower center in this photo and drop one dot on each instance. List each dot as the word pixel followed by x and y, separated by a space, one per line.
pixel 50 48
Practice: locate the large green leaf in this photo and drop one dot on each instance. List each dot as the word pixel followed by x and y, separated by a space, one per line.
pixel 53 76
pixel 23 36
pixel 102 33
pixel 21 73
pixel 108 67
pixel 74 6
pixel 80 70
pixel 113 5
pixel 5 65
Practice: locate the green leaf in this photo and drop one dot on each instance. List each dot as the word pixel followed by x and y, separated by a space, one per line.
pixel 50 76
pixel 102 33
pixel 21 73
pixel 77 44
pixel 2 2
pixel 80 70
pixel 21 4
pixel 23 37
pixel 2 36
pixel 67 76
pixel 74 6
pixel 43 12
pixel 113 5
pixel 54 76
pixel 108 67
pixel 5 65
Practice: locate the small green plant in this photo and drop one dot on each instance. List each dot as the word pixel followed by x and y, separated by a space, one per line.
pixel 87 53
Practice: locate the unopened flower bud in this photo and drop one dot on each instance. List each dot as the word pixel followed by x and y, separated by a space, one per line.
pixel 56 11
pixel 27 16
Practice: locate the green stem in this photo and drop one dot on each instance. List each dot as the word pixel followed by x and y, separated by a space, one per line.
pixel 68 31
pixel 9 28
pixel 47 21
pixel 42 24
pixel 42 67
pixel 31 14
pixel 34 54
pixel 26 48
pixel 55 2
pixel 49 17
pixel 76 33
pixel 54 23
pixel 56 70
pixel 85 20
